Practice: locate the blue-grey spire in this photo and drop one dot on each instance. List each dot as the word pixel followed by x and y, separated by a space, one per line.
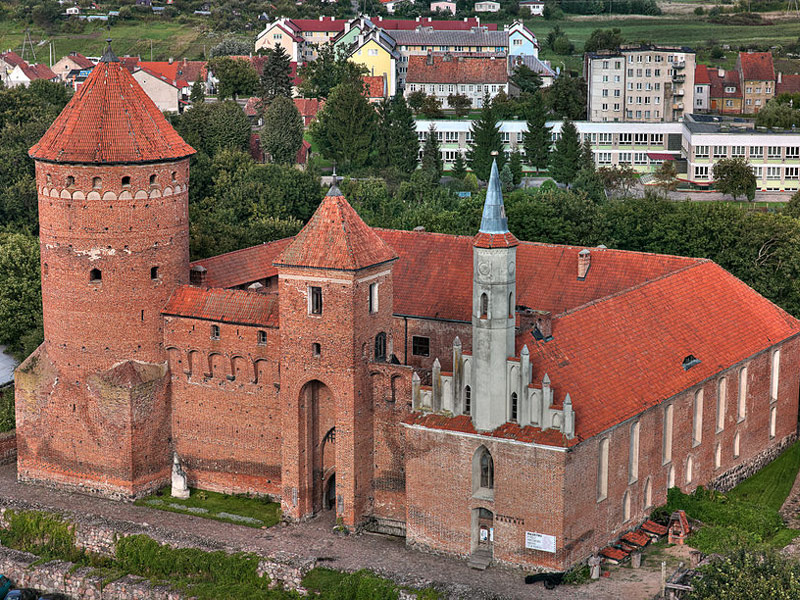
pixel 494 211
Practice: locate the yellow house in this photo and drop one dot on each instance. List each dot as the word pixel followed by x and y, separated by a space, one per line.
pixel 376 52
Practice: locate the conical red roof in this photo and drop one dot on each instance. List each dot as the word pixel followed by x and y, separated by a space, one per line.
pixel 336 238
pixel 110 120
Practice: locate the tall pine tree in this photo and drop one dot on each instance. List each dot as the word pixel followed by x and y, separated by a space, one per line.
pixel 537 139
pixel 431 156
pixel 282 134
pixel 485 140
pixel 565 161
pixel 275 79
pixel 399 133
pixel 459 170
pixel 346 128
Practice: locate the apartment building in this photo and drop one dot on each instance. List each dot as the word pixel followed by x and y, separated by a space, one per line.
pixel 642 84
pixel 757 79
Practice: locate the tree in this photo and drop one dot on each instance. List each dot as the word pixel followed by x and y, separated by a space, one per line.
pixel 345 129
pixel 331 68
pixel 486 140
pixel 747 575
pixel 515 164
pixel 552 36
pixel 792 208
pixel 734 176
pixel 460 104
pixel 20 290
pixel 666 176
pixel 198 93
pixel 537 137
pixel 431 107
pixel 459 170
pixel 213 126
pixel 526 79
pixel 282 134
pixel 431 156
pixel 604 39
pixel 416 100
pixel 587 157
pixel 618 180
pixel 507 178
pixel 781 111
pixel 563 46
pixel 399 133
pixel 567 97
pixel 275 79
pixel 231 47
pixel 236 76
pixel 565 161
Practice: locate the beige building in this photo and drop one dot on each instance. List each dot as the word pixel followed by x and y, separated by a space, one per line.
pixel 74 61
pixel 163 92
pixel 757 78
pixel 645 84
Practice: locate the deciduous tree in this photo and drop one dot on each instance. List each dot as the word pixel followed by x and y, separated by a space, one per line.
pixel 460 104
pixel 566 98
pixel 734 176
pixel 20 290
pixel 236 76
pixel 214 126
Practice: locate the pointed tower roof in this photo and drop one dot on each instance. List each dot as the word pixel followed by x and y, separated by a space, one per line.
pixel 110 120
pixel 336 238
pixel 494 231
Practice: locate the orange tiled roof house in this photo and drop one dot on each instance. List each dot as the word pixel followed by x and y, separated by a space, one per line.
pixel 482 396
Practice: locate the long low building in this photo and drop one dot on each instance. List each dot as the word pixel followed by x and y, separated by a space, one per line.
pixel 695 144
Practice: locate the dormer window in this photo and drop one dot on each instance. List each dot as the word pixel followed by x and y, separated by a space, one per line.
pixel 690 361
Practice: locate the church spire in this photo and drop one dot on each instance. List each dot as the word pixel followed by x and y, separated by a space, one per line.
pixel 494 211
pixel 494 231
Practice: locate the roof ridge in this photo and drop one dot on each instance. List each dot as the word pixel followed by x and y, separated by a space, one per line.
pixel 596 301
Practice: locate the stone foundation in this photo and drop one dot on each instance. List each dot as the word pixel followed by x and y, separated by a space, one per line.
pixel 732 477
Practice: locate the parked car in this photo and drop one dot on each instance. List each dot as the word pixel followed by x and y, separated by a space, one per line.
pixel 22 594
pixel 5 585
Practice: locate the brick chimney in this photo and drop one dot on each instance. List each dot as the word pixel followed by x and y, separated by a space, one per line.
pixel 197 275
pixel 584 262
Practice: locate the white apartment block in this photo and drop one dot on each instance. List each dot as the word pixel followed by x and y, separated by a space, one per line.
pixel 642 84
pixel 694 144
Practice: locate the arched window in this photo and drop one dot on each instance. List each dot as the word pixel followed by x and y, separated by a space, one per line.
pixel 671 477
pixel 174 176
pixel 736 445
pixel 648 494
pixel 717 455
pixel 126 181
pixel 487 470
pixel 602 470
pixel 689 469
pixel 722 399
pixel 776 369
pixel 484 306
pixel 742 410
pixel 380 346
pixel 97 183
pixel 467 400
pixel 95 276
pixel 514 406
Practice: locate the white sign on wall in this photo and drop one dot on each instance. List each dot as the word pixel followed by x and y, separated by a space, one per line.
pixel 540 541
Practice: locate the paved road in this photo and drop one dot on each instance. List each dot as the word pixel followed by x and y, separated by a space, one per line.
pixel 383 554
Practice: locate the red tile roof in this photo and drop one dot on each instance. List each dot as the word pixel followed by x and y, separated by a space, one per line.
pixel 756 66
pixel 336 238
pixel 80 60
pixel 321 25
pixel 175 71
pixel 636 538
pixel 494 240
pixel 653 527
pixel 701 75
pixel 374 86
pixel 645 334
pixel 454 69
pixel 110 119
pixel 37 71
pixel 225 306
pixel 789 84
pixel 508 431
pixel 433 277
pixel 159 76
pixel 12 58
pixel 729 79
pixel 614 554
pixel 308 108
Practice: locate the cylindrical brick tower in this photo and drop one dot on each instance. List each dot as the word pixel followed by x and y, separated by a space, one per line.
pixel 112 178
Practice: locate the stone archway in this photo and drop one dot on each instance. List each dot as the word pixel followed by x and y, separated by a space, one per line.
pixel 317 402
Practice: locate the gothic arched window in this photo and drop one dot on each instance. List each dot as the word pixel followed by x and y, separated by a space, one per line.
pixel 467 400
pixel 487 470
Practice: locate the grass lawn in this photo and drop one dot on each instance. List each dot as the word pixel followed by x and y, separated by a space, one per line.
pixel 771 485
pixel 238 509
pixel 169 38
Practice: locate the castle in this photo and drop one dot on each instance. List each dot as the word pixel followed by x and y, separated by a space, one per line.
pixel 526 401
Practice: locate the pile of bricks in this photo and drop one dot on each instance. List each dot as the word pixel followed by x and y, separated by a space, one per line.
pixel 633 541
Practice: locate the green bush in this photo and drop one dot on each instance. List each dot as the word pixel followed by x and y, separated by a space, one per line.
pixel 44 534
pixel 7 416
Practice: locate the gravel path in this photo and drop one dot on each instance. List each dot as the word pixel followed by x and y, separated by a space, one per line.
pixel 384 554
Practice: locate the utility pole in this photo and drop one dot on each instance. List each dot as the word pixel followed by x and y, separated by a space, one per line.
pixel 151 50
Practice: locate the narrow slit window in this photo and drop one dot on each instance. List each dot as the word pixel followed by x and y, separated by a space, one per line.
pixel 126 181
pixel 467 400
pixel 315 300
pixel 484 306
pixel 514 406
pixel 380 346
pixel 152 180
pixel 316 349
pixel 262 338
pixel 153 273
